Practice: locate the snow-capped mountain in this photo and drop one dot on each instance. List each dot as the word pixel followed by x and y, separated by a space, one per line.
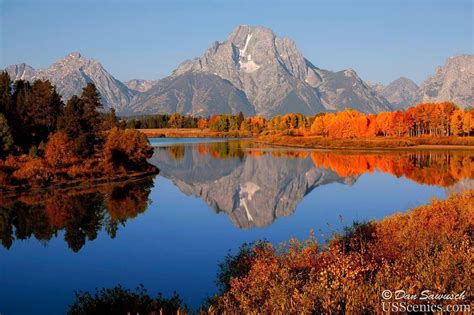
pixel 256 72
pixel 277 79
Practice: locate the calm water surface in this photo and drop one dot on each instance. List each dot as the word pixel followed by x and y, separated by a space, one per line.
pixel 170 232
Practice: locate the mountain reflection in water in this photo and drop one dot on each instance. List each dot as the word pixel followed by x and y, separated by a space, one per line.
pixel 255 185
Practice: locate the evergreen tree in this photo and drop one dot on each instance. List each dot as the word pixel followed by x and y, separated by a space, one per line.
pixel 20 116
pixel 6 139
pixel 75 126
pixel 45 108
pixel 92 107
pixel 110 120
pixel 5 92
pixel 240 120
pixel 70 120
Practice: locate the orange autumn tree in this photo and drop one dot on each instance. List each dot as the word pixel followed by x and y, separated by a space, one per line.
pixel 438 169
pixel 202 123
pixel 126 149
pixel 427 119
pixel 59 150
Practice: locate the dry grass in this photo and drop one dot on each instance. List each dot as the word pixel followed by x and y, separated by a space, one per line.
pixel 318 142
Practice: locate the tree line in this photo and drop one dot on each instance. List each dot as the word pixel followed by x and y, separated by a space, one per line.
pixel 175 120
pixel 426 119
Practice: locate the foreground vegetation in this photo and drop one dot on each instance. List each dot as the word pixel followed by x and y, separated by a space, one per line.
pixel 429 247
pixel 44 142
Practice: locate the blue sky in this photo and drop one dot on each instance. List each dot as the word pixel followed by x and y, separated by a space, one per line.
pixel 381 40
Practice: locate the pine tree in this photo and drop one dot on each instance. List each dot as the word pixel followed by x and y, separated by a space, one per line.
pixel 70 120
pixel 110 120
pixel 45 108
pixel 20 115
pixel 5 93
pixel 92 107
pixel 240 120
pixel 6 139
pixel 75 126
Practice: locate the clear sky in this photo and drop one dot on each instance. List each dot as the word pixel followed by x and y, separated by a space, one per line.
pixel 381 40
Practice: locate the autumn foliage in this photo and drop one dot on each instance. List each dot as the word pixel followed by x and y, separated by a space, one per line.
pixel 430 119
pixel 59 150
pixel 126 149
pixel 430 247
pixel 440 168
pixel 433 168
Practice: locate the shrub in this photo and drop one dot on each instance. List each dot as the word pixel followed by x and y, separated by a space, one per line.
pixel 128 149
pixel 430 247
pixel 59 150
pixel 35 171
pixel 118 300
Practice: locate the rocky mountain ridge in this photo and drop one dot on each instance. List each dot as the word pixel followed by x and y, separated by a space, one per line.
pixel 256 72
pixel 71 73
pixel 453 82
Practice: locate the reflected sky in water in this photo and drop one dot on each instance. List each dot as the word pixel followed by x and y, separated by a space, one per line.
pixel 190 225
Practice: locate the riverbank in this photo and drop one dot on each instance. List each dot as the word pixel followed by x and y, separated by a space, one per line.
pixel 318 142
pixel 192 133
pixel 428 244
pixel 15 189
pixel 386 143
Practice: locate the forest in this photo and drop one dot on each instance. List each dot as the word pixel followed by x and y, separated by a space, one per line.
pixel 44 141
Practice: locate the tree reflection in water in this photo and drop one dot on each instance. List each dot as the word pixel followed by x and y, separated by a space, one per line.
pixel 439 168
pixel 80 212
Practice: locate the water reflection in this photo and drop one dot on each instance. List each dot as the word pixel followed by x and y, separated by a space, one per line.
pixel 80 212
pixel 255 185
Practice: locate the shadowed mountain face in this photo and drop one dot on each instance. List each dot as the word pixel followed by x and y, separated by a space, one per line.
pixel 252 190
pixel 401 93
pixel 198 94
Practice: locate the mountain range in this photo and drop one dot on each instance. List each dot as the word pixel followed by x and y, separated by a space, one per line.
pixel 452 82
pixel 256 72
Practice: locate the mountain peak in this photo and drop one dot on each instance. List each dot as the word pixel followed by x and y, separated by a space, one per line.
pixel 452 82
pixel 75 55
pixel 276 78
pixel 243 31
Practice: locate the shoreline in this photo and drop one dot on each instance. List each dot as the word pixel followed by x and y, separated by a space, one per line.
pixel 427 147
pixel 190 133
pixel 322 143
pixel 15 190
